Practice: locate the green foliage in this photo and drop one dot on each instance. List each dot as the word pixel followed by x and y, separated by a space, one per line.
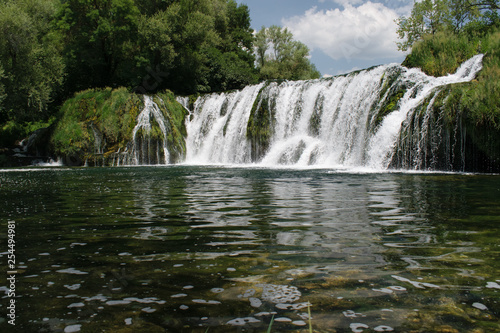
pixel 99 39
pixel 101 122
pixel 474 107
pixel 200 46
pixel 280 57
pixel 11 130
pixel 429 17
pixel 442 53
pixel 176 115
pixel 30 59
pixel 426 17
pixel 260 125
pixel 52 49
pixel 112 113
pixel 480 101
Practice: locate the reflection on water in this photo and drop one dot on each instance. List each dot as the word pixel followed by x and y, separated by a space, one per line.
pixel 184 249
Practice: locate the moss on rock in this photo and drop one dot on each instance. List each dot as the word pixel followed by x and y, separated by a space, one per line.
pixel 95 125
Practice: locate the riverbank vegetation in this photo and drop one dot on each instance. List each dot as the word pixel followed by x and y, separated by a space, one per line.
pixel 52 49
pixel 54 53
pixel 444 33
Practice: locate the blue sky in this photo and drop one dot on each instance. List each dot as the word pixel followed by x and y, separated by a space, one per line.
pixel 343 35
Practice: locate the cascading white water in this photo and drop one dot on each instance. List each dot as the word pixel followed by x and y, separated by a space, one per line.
pixel 341 105
pixel 382 143
pixel 217 133
pixel 326 122
pixel 145 149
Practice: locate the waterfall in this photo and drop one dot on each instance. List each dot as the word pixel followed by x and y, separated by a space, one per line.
pixel 344 121
pixel 382 144
pixel 217 131
pixel 148 146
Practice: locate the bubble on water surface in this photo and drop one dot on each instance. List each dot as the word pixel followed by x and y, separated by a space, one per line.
pixel 217 290
pixel 248 293
pixel 480 306
pixel 283 320
pixel 358 327
pixel 243 321
pixel 72 328
pixel 397 288
pixel 280 293
pixel 72 271
pixel 261 314
pixel 298 306
pixel 76 305
pixel 352 314
pixel 73 286
pixel 202 301
pixel 255 302
pixel 493 285
pixel 118 302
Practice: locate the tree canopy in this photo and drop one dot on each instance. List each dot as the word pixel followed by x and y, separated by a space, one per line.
pixel 455 16
pixel 279 56
pixel 31 65
pixel 50 49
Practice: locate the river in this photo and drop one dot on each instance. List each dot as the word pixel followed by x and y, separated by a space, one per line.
pixel 243 249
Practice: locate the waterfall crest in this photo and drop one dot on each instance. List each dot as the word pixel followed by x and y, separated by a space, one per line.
pixel 346 121
pixel 148 145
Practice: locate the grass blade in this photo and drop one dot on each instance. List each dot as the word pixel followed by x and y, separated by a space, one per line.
pixel 270 324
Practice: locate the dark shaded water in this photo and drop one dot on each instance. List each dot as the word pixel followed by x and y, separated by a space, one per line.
pixel 183 249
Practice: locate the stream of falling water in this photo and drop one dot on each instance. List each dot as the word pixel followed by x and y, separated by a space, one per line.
pixel 324 123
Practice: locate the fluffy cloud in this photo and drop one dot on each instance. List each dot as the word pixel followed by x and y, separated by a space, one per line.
pixel 367 31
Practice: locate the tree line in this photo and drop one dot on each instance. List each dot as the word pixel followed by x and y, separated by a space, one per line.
pixel 442 34
pixel 473 18
pixel 50 49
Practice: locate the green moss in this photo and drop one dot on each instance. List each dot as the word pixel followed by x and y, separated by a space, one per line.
pixel 389 105
pixel 315 121
pixel 112 114
pixel 260 124
pixel 175 114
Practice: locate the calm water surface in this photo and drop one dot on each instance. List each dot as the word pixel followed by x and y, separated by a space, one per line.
pixel 186 249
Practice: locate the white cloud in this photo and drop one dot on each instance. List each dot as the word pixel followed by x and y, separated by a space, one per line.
pixel 348 2
pixel 364 32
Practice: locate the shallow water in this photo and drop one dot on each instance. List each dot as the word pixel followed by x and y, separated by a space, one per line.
pixel 186 248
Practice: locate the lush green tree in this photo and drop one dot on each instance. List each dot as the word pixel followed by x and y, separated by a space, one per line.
pixel 279 56
pixel 197 46
pixel 231 65
pixel 30 56
pixel 427 16
pixel 101 37
pixel 151 7
pixel 432 16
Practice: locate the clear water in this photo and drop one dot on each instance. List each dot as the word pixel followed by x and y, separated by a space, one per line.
pixel 191 248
